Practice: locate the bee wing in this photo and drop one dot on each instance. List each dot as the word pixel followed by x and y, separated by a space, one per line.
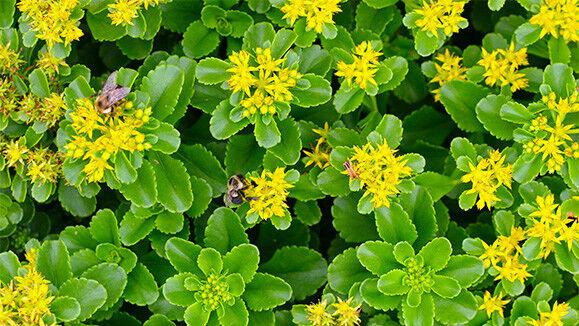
pixel 110 84
pixel 117 94
pixel 227 200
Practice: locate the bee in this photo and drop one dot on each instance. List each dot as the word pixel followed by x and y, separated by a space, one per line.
pixel 571 216
pixel 111 95
pixel 350 169
pixel 235 190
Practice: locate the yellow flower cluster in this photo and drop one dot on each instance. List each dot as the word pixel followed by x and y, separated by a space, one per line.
pixel 320 154
pixel 493 303
pixel 122 12
pixel 263 80
pixel 449 69
pixel 548 223
pixel 364 67
pixel 9 96
pixel 27 298
pixel 487 176
pixel 553 318
pixel 317 13
pixel 501 67
pixel 9 60
pixel 100 137
pixel 504 256
pixel 50 64
pixel 562 105
pixel 51 19
pixel 344 314
pixel 41 164
pixel 440 14
pixel 558 18
pixel 269 192
pixel 380 171
pixel 554 143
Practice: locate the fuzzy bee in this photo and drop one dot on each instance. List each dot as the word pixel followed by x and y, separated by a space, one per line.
pixel 350 169
pixel 235 190
pixel 111 95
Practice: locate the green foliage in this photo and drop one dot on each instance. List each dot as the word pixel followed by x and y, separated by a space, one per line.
pixel 282 162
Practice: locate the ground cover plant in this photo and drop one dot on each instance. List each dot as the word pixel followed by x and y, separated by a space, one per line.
pixel 289 162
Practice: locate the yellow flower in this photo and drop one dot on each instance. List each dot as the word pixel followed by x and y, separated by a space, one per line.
pixel 441 15
pixel 51 19
pixel 122 12
pixel 562 105
pixel 9 60
pixel 317 314
pixel 501 67
pixel 269 192
pixel 558 18
pixel 50 64
pixel 264 81
pixel 512 270
pixel 15 153
pixel 320 153
pixel 44 165
pixel 26 299
pixel 493 303
pixel 317 13
pixel 486 177
pixel 449 69
pixel 100 137
pixel 493 254
pixel 380 171
pixel 363 70
pixel 345 314
pixel 553 318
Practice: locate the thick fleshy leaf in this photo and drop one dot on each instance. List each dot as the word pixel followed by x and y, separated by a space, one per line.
pixel 65 308
pixel 183 255
pixel 9 265
pixel 460 99
pixel 377 257
pixel 420 209
pixel 112 277
pixel 422 315
pixel 353 226
pixel 235 315
pixel 141 287
pixel 436 253
pixel 163 85
pixel 224 230
pixel 53 262
pixel 171 176
pixel 391 283
pixel 242 259
pixel 345 270
pixel 465 269
pixel 89 293
pixel 459 309
pixel 103 227
pixel 199 40
pixel 394 225
pixel 375 298
pixel 288 149
pixel 445 286
pixel 201 163
pixel 196 315
pixel 175 292
pixel 265 292
pixel 303 268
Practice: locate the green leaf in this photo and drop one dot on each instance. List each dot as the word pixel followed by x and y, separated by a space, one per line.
pixel 526 167
pixel 282 41
pixel 39 83
pixel 242 259
pixel 171 176
pixel 124 170
pixel 142 192
pixel 542 291
pixel 488 112
pixel 54 262
pixel 424 43
pixel 380 3
pixel 102 28
pixel 221 126
pixel 420 209
pixel 375 298
pixel 89 294
pixel 302 268
pixel 265 292
pixel 289 148
pixel 168 222
pixel 141 287
pixel 515 112
pixel 394 225
pixel 202 193
pixel 203 164
pixel 558 50
pixel 168 138
pixel 314 60
pixel 345 270
pixel 209 261
pixel 112 277
pixel 528 34
pixel 7 13
pixel 438 185
pixel 182 255
pixel 159 320
pixel 459 309
pixel 266 135
pixel 463 147
pixel 352 226
pixel 134 229
pixel 392 283
pixel 390 127
pixel 243 155
pixel 9 265
pixel 212 71
pixel 445 287
pixel 560 78
pixel 257 35
pixel 65 308
pixel 236 314
pixel 196 315
pixel 377 257
pixel 163 85
pixel 103 227
pixel 318 93
pixel 422 315
pixel 348 99
pixel 240 22
pixel 436 253
pixel 224 230
pixel 496 5
pixel 332 182
pixel 460 99
pixel 198 40
pixel 134 48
